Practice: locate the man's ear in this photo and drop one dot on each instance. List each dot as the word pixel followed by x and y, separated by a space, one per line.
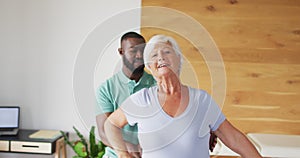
pixel 120 51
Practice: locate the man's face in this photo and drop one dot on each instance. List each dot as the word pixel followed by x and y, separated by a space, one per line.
pixel 132 53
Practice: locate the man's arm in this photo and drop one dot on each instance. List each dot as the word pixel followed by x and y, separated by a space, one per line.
pixel 236 140
pixel 112 128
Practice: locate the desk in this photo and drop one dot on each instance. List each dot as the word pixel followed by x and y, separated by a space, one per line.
pixel 21 143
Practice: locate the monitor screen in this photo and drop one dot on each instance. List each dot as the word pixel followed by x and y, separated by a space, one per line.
pixel 9 117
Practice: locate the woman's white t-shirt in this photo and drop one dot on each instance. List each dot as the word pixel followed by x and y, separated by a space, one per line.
pixel 163 136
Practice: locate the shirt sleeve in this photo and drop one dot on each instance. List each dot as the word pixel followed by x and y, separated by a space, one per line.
pixel 104 102
pixel 137 106
pixel 128 107
pixel 213 116
pixel 215 113
pixel 220 119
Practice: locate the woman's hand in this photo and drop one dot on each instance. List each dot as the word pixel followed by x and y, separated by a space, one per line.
pixel 134 150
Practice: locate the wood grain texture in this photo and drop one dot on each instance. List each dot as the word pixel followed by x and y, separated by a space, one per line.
pixel 259 42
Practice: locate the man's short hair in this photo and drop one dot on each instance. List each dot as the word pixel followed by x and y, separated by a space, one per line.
pixel 131 35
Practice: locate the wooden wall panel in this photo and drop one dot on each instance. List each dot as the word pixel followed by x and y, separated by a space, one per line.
pixel 259 41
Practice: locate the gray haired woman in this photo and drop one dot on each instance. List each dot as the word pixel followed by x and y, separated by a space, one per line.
pixel 174 120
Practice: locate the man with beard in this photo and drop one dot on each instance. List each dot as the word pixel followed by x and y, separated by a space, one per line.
pixel 130 79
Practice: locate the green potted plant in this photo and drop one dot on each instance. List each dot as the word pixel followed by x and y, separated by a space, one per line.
pixel 82 148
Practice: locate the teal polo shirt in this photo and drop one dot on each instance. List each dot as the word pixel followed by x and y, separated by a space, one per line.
pixel 111 94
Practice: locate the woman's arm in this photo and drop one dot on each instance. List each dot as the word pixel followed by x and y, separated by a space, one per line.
pixel 100 120
pixel 236 140
pixel 112 126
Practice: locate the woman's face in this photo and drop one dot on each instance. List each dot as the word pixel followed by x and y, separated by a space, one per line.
pixel 164 60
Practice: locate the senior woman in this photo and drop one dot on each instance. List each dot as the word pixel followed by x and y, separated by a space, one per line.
pixel 174 120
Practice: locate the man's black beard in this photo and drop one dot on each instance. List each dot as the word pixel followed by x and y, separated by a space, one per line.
pixel 130 66
pixel 138 70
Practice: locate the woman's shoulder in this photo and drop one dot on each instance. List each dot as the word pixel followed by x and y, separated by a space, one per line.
pixel 200 95
pixel 144 92
pixel 143 96
pixel 197 91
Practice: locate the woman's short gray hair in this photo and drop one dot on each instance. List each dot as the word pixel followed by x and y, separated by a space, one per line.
pixel 161 39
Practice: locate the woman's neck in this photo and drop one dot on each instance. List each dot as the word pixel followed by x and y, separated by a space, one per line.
pixel 172 95
pixel 169 84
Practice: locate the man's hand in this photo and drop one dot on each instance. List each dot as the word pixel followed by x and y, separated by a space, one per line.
pixel 134 150
pixel 212 141
pixel 123 154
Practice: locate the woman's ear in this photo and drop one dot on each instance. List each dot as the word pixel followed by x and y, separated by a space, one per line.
pixel 149 66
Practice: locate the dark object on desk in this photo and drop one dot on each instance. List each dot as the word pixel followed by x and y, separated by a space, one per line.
pixel 22 143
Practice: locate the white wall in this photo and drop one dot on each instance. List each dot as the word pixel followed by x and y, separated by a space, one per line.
pixel 40 43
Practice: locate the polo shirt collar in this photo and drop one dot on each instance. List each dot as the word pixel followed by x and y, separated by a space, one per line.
pixel 126 80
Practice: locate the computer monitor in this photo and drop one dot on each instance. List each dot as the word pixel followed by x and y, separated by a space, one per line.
pixel 9 119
